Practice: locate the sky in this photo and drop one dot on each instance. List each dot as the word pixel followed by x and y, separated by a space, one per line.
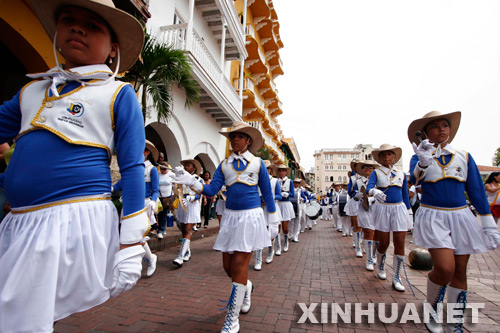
pixel 360 71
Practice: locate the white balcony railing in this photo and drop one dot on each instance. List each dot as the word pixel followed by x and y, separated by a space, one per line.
pixel 206 68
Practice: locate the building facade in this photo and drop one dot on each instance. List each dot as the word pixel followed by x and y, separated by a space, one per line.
pixel 333 164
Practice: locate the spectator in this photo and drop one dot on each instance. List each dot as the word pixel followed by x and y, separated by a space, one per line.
pixel 166 195
pixel 492 188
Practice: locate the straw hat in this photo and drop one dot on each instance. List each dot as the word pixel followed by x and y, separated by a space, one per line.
pixel 196 164
pixel 268 165
pixel 353 164
pixel 419 124
pixel 128 30
pixel 387 147
pixel 282 166
pixel 361 164
pixel 241 126
pixel 297 180
pixel 151 147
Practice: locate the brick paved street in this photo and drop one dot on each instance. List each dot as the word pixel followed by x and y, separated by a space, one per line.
pixel 320 268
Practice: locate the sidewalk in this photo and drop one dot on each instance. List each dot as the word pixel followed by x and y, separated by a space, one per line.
pixel 320 268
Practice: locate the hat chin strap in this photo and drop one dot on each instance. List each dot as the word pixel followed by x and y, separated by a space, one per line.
pixel 244 149
pixel 70 76
pixel 439 150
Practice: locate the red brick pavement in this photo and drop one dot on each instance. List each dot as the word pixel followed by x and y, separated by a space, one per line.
pixel 320 268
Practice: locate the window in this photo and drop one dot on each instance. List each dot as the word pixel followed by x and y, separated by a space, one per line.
pixel 331 167
pixel 317 168
pixel 326 167
pixel 340 156
pixel 344 167
pixel 345 178
pixel 340 167
pixel 317 179
pixel 326 178
pixel 340 178
pixel 344 156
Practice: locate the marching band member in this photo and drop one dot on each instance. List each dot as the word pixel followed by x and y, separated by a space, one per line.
pixel 443 223
pixel 273 228
pixel 303 204
pixel 285 206
pixel 60 250
pixel 353 206
pixel 295 200
pixel 388 186
pixel 344 224
pixel 190 217
pixel 310 199
pixel 365 217
pixel 243 226
pixel 335 204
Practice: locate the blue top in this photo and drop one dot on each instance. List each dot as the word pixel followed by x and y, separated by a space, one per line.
pixel 395 194
pixel 450 193
pixel 350 187
pixel 242 196
pixel 45 168
pixel 277 191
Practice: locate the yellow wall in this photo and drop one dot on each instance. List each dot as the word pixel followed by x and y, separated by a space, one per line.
pixel 23 34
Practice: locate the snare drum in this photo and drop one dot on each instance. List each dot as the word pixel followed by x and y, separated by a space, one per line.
pixel 313 210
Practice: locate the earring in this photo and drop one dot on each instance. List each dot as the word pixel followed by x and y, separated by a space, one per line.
pixel 110 61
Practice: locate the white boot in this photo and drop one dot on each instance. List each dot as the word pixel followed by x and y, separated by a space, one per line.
pixel 150 259
pixel 270 254
pixel 357 238
pixel 374 255
pixel 398 262
pixel 459 297
pixel 187 253
pixel 285 243
pixel 435 297
pixel 232 323
pixel 369 260
pixel 182 252
pixel 381 266
pixel 258 260
pixel 278 245
pixel 247 300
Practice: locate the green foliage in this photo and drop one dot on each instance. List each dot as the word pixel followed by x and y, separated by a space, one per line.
pixel 157 71
pixel 263 153
pixel 497 157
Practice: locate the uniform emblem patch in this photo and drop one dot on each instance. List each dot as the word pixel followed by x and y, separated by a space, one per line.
pixel 76 109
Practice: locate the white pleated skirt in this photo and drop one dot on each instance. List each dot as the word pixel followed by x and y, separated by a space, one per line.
pixel 392 217
pixel 351 207
pixel 55 261
pixel 220 206
pixel 286 209
pixel 242 231
pixel 365 218
pixel 193 214
pixel 458 230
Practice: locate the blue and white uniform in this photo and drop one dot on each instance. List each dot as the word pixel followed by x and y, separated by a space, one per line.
pixel 286 207
pixel 352 206
pixel 391 215
pixel 58 184
pixel 192 216
pixel 365 218
pixel 276 189
pixel 443 219
pixel 243 226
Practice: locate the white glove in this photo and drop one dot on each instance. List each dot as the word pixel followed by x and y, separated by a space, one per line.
pixel 371 200
pixel 491 231
pixel 285 194
pixel 181 176
pixel 185 202
pixel 358 196
pixel 424 152
pixel 152 204
pixel 378 195
pixel 273 218
pixel 301 200
pixel 190 198
pixel 134 228
pixel 410 212
pixel 127 269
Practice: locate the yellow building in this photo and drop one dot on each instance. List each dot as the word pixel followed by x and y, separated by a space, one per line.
pixel 254 81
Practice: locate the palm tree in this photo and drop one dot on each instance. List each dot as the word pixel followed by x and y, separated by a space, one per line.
pixel 158 69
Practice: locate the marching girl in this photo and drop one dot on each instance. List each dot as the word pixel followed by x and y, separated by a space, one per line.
pixel 60 250
pixel 273 228
pixel 389 187
pixel 443 223
pixel 351 207
pixel 335 204
pixel 296 201
pixel 152 194
pixel 285 206
pixel 243 226
pixel 302 204
pixel 190 217
pixel 365 217
pixel 220 206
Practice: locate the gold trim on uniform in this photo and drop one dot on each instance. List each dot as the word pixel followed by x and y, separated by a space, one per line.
pixel 442 208
pixel 53 204
pixel 134 214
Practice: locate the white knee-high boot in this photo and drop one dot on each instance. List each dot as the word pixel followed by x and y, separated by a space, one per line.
pixel 435 297
pixel 247 299
pixel 150 259
pixel 278 245
pixel 374 255
pixel 459 298
pixel 258 260
pixel 381 265
pixel 368 243
pixel 285 243
pixel 182 252
pixel 398 262
pixel 357 239
pixel 232 323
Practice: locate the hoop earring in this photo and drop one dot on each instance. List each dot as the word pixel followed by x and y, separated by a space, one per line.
pixel 110 61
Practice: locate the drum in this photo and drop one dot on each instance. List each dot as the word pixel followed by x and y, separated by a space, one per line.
pixel 313 210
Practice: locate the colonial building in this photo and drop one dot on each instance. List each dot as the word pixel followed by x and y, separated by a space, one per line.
pixel 333 164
